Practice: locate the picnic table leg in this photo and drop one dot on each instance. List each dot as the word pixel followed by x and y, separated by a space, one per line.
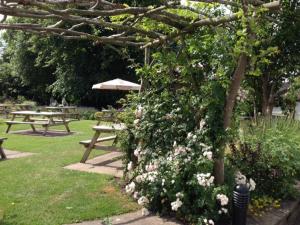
pixel 66 124
pixel 2 154
pixel 27 118
pixel 46 130
pixel 9 125
pixel 8 128
pixel 90 147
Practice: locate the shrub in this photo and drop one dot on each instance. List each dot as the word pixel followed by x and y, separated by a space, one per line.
pixel 268 152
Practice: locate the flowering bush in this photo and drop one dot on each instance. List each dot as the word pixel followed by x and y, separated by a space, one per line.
pixel 170 161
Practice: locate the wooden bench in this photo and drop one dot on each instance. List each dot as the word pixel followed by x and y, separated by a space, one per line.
pixel 94 142
pixel 86 143
pixel 40 122
pixel 25 122
pixel 2 154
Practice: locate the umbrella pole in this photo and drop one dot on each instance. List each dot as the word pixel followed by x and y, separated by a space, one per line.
pixel 144 83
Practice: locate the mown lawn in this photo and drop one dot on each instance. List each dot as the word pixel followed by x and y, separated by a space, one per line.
pixel 36 190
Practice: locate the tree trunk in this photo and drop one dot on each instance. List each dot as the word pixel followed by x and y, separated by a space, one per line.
pixel 267 97
pixel 236 81
pixel 218 171
pixel 144 82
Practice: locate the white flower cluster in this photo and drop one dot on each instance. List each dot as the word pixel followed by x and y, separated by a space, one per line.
pixel 241 179
pixel 208 155
pixel 136 122
pixel 130 188
pixel 191 136
pixel 251 185
pixel 150 176
pixel 178 203
pixel 205 179
pixel 223 210
pixel 223 199
pixel 143 200
pixel 202 124
pixel 198 65
pixel 181 150
pixel 139 112
pixel 151 167
pixel 130 166
pixel 208 222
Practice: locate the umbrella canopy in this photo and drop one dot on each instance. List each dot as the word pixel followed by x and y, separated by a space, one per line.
pixel 117 84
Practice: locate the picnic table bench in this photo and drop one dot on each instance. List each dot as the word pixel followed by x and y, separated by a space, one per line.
pixel 70 111
pixel 49 119
pixel 94 142
pixel 2 154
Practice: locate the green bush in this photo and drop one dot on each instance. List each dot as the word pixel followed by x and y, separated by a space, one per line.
pixel 269 152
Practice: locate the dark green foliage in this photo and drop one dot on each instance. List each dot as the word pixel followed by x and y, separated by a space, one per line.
pixel 269 153
pixel 50 66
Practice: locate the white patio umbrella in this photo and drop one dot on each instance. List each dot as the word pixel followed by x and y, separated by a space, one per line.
pixel 117 84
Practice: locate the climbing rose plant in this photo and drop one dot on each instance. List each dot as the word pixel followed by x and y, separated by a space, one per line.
pixel 170 161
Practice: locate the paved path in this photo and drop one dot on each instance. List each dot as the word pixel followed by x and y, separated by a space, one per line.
pixel 15 154
pixel 105 164
pixel 135 218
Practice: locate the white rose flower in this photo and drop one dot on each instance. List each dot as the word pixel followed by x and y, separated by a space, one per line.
pixel 130 188
pixel 223 199
pixel 224 210
pixel 143 200
pixel 130 166
pixel 202 124
pixel 176 205
pixel 252 185
pixel 136 195
pixel 208 155
pixel 135 122
pixel 179 195
pixel 184 2
pixel 240 178
pixel 190 135
pixel 139 112
pixel 136 152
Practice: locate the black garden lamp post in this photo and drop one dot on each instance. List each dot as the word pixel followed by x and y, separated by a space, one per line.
pixel 241 198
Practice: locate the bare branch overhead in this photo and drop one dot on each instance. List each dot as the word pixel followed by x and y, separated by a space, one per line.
pixel 126 25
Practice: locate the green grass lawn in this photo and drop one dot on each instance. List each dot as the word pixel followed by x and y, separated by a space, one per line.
pixel 36 190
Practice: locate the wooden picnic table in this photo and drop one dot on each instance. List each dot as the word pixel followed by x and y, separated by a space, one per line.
pixel 23 106
pixel 70 111
pixel 48 119
pixel 5 109
pixel 93 143
pixel 2 154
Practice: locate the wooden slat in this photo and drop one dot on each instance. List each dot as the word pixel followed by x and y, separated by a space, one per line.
pixel 106 148
pixel 87 142
pixel 22 122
